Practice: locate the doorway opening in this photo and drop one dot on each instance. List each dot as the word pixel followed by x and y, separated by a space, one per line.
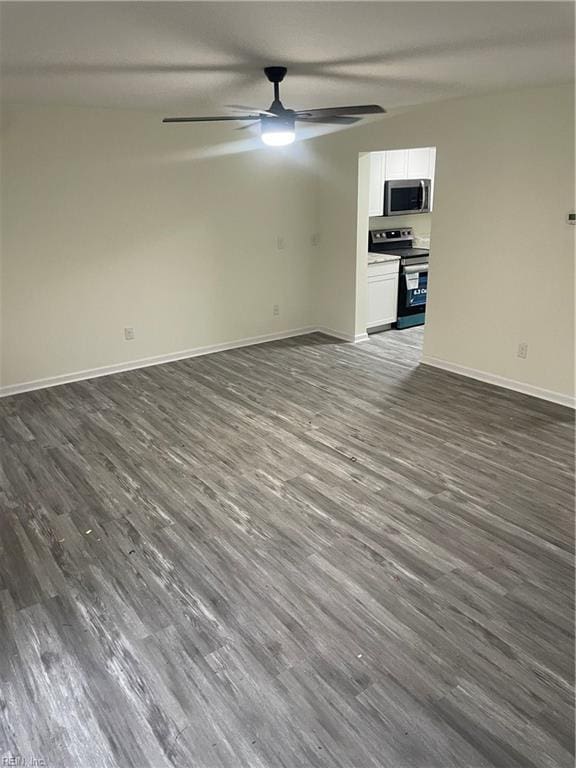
pixel 395 211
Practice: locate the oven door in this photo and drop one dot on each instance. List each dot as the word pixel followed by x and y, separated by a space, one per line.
pixel 413 289
pixel 407 196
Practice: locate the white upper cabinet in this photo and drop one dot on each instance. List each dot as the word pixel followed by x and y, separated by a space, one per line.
pixel 409 163
pixel 396 164
pixel 420 163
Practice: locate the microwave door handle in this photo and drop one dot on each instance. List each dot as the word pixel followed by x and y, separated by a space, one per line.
pixel 423 185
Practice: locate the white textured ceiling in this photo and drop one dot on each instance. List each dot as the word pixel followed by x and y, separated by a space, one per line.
pixel 192 58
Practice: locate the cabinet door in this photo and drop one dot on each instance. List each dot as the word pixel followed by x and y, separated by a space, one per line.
pixel 419 163
pixel 432 171
pixel 432 162
pixel 376 194
pixel 396 164
pixel 382 300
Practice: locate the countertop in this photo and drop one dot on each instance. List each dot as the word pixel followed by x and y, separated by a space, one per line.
pixel 382 258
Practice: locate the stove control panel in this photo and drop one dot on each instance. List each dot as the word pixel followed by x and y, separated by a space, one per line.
pixel 391 235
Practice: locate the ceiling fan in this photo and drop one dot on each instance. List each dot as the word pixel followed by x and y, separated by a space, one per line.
pixel 277 123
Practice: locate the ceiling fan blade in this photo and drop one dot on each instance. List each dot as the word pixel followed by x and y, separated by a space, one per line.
pixel 245 127
pixel 359 109
pixel 250 109
pixel 334 120
pixel 217 119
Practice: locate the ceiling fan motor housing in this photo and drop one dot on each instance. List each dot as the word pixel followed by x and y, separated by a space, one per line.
pixel 275 74
pixel 284 122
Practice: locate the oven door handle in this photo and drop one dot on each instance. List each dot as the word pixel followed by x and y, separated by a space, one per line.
pixel 415 268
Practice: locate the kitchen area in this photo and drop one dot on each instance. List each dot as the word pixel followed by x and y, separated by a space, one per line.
pixel 401 192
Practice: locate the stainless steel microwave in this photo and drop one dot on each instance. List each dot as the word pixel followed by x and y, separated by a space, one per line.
pixel 406 196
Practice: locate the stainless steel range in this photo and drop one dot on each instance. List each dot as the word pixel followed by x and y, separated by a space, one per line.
pixel 413 277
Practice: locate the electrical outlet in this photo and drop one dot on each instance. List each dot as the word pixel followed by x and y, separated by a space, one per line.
pixel 280 243
pixel 522 350
pixel 129 334
pixel 276 310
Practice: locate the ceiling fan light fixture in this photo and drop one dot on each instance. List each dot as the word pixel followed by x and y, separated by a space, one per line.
pixel 278 138
pixel 277 131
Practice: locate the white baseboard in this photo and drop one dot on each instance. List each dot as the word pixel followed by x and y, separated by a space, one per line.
pixel 107 370
pixel 92 373
pixel 501 381
pixel 351 337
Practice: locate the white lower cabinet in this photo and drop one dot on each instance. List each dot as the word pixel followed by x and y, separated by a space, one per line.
pixel 382 294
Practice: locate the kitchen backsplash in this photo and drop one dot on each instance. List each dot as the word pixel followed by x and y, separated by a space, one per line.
pixel 421 223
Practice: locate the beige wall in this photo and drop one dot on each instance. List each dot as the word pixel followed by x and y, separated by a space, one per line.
pixel 110 219
pixel 502 255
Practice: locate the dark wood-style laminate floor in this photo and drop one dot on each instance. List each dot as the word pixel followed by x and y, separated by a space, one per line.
pixel 305 553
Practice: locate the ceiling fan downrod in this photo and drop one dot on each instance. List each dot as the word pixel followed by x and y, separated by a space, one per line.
pixel 275 75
